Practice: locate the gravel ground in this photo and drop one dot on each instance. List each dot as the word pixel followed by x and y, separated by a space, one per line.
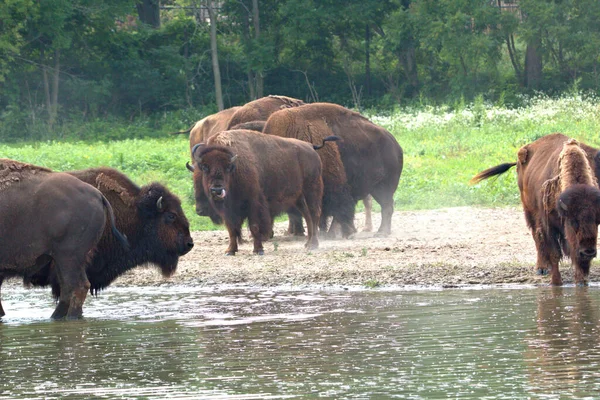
pixel 448 247
pixel 445 247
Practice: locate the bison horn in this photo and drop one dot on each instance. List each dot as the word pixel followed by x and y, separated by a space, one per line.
pixel 189 167
pixel 196 148
pixel 562 205
pixel 233 158
pixel 159 203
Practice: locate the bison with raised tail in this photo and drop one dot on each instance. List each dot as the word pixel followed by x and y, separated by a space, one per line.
pixel 150 216
pixel 557 178
pixel 256 177
pixel 51 220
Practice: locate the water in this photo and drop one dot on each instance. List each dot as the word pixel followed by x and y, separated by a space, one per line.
pixel 249 343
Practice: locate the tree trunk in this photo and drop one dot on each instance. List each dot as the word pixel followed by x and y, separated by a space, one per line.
pixel 55 81
pixel 51 92
pixel 409 65
pixel 249 72
pixel 215 56
pixel 533 63
pixel 368 59
pixel 259 73
pixel 149 12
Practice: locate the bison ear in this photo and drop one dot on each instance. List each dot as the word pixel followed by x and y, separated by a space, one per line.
pixel 231 165
pixel 151 200
pixel 105 182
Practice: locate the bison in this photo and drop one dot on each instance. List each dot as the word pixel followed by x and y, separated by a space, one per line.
pixel 251 116
pixel 150 216
pixel 559 191
pixel 52 220
pixel 368 160
pixel 199 133
pixel 256 177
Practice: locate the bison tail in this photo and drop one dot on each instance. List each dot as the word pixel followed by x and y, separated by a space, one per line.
pixel 183 132
pixel 488 173
pixel 332 138
pixel 111 215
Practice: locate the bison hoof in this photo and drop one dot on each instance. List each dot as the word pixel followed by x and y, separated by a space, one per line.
pixel 260 253
pixel 582 284
pixel 230 253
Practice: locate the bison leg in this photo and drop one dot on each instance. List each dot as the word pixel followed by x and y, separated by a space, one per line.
pixel 581 269
pixel 368 203
pixel 235 232
pixel 74 287
pixel 260 224
pixel 295 226
pixel 2 313
pixel 548 255
pixel 311 215
pixel 385 198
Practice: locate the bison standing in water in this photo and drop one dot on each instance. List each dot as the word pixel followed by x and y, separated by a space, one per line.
pixel 561 200
pixel 256 177
pixel 150 216
pixel 52 220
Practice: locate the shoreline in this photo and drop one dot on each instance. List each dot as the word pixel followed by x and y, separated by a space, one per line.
pixel 442 248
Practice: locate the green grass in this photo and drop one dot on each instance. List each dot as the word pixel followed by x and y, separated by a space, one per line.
pixel 443 149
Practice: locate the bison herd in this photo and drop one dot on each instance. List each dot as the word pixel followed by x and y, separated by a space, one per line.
pixel 77 231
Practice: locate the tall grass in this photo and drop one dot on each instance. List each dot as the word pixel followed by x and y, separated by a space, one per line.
pixel 443 148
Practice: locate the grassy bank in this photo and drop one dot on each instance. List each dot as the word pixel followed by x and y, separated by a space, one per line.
pixel 443 149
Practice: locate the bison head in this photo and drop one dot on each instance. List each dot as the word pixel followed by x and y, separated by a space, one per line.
pixel 579 206
pixel 165 228
pixel 217 164
pixel 203 207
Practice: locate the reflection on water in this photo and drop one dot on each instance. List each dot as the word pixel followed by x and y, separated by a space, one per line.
pixel 564 350
pixel 251 343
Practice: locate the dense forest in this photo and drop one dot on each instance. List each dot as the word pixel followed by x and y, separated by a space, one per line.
pixel 84 60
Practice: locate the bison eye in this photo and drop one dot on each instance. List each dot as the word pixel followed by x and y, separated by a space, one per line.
pixel 205 168
pixel 170 217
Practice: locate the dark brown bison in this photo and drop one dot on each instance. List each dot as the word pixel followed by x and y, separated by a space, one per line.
pixel 52 219
pixel 150 216
pixel 261 109
pixel 561 200
pixel 256 177
pixel 368 160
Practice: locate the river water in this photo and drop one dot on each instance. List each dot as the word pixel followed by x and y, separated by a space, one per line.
pixel 185 342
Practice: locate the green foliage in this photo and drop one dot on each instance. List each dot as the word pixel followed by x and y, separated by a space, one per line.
pixel 110 66
pixel 443 149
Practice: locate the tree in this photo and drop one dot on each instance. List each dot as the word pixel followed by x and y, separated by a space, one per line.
pixel 214 53
pixel 149 12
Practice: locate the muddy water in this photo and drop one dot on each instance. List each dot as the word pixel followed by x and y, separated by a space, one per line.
pixel 250 343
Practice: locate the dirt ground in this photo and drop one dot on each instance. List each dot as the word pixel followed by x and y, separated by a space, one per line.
pixel 446 247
